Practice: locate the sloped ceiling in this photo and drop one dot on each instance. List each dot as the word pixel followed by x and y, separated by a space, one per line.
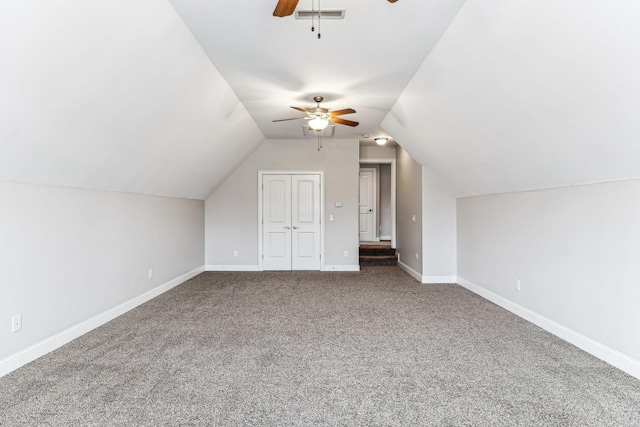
pixel 114 95
pixel 123 95
pixel 520 95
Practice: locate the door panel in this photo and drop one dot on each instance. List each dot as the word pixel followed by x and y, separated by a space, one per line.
pixel 367 205
pixel 276 228
pixel 291 222
pixel 306 222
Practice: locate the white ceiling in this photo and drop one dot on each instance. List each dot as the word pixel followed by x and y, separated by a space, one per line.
pixel 363 61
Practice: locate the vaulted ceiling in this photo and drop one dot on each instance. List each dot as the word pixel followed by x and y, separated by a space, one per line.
pixel 168 97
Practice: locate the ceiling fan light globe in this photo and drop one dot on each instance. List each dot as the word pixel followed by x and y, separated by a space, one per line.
pixel 318 124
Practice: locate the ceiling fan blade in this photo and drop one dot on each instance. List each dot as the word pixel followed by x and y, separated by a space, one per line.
pixel 299 109
pixel 285 8
pixel 392 1
pixel 341 112
pixel 285 120
pixel 343 122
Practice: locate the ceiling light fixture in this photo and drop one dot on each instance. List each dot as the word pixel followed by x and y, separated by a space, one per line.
pixel 318 123
pixel 381 141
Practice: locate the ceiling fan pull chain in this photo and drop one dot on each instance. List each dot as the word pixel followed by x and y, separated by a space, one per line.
pixel 313 17
pixel 319 15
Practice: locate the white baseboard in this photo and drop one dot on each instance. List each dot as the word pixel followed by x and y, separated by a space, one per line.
pixel 385 237
pixel 31 353
pixel 410 271
pixel 355 267
pixel 439 279
pixel 231 268
pixel 595 348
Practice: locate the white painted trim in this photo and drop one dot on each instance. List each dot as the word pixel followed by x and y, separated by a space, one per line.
pixel 595 348
pixel 232 268
pixel 392 162
pixel 427 280
pixel 351 267
pixel 29 354
pixel 385 237
pixel 410 271
pixel 261 173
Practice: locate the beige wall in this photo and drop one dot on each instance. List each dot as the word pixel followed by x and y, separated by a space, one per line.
pixel 385 200
pixel 377 152
pixel 232 209
pixel 574 250
pixel 439 264
pixel 409 203
pixel 70 255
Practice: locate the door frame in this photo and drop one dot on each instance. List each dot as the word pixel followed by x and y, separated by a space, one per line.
pixel 374 200
pixel 392 162
pixel 261 173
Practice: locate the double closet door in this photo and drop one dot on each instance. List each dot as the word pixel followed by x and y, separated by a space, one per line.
pixel 291 222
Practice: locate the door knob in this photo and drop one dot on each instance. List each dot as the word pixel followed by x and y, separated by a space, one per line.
pixel 370 210
pixel 295 228
pixel 287 227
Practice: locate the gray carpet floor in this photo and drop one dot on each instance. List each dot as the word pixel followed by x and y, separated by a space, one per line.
pixel 373 348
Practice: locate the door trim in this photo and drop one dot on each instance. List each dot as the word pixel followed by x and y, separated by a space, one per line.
pixel 261 173
pixel 392 162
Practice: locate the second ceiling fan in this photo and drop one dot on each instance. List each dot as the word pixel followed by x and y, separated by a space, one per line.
pixel 286 7
pixel 320 117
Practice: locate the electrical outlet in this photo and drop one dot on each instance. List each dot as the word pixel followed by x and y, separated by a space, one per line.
pixel 16 323
pixel 413 218
pixel 331 217
pixel 346 254
pixel 151 273
pixel 235 253
pixel 517 285
pixel 416 255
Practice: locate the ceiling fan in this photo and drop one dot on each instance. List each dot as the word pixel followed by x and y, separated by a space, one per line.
pixel 320 117
pixel 286 7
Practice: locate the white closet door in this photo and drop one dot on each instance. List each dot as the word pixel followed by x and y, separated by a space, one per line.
pixel 305 222
pixel 276 228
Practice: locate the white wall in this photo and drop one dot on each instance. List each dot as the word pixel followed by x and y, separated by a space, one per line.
pixel 439 263
pixel 232 211
pixel 68 255
pixel 575 251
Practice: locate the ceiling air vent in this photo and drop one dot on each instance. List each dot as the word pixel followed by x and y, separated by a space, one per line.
pixel 325 14
pixel 325 133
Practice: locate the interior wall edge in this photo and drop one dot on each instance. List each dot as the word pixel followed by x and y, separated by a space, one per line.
pixel 591 346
